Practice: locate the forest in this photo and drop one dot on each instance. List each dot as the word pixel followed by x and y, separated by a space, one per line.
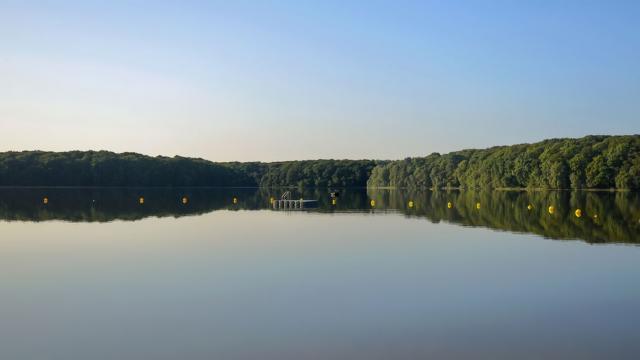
pixel 104 168
pixel 591 162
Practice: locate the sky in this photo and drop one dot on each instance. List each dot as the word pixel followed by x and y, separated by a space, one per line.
pixel 285 80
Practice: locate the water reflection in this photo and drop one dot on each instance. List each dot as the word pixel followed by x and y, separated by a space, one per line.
pixel 596 217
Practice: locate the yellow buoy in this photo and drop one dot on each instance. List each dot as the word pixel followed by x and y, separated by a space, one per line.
pixel 529 207
pixel 141 200
pixel 271 200
pixel 45 200
pixel 595 216
pixel 373 203
pixel 235 200
pixel 410 204
pixel 478 206
pixel 449 205
pixel 185 200
pixel 552 209
pixel 578 213
pixel 333 201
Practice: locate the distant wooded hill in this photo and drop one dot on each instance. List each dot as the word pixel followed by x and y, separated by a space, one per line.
pixel 591 162
pixel 598 162
pixel 104 168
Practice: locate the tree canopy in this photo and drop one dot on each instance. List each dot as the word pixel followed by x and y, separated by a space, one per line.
pixel 104 168
pixel 598 162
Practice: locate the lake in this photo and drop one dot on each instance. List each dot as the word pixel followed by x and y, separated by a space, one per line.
pixel 142 273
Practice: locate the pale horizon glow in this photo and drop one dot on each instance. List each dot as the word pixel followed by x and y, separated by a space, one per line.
pixel 272 81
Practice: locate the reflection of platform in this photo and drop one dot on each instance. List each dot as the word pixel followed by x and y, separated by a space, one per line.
pixel 294 204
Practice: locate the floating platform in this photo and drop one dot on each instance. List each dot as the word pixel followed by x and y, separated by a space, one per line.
pixel 293 204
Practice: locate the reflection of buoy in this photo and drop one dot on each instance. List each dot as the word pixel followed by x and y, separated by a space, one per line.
pixel 410 204
pixel 478 206
pixel 449 205
pixel 578 213
pixel 529 207
pixel 552 209
pixel 45 200
pixel 333 201
pixel 595 216
pixel 235 200
pixel 373 203
pixel 141 200
pixel 185 200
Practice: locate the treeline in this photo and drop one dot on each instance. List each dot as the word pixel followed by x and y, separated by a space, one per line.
pixel 318 173
pixel 104 168
pixel 595 162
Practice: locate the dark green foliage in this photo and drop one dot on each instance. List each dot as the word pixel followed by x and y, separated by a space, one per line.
pixel 318 173
pixel 591 162
pixel 103 168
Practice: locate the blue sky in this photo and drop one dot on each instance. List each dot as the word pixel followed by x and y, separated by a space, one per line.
pixel 282 80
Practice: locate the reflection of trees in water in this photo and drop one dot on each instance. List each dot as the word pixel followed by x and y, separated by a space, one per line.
pixel 107 204
pixel 605 217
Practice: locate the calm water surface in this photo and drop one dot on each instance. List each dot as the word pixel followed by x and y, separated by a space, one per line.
pixel 94 274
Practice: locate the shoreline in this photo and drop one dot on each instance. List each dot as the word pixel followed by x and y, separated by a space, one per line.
pixel 3 187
